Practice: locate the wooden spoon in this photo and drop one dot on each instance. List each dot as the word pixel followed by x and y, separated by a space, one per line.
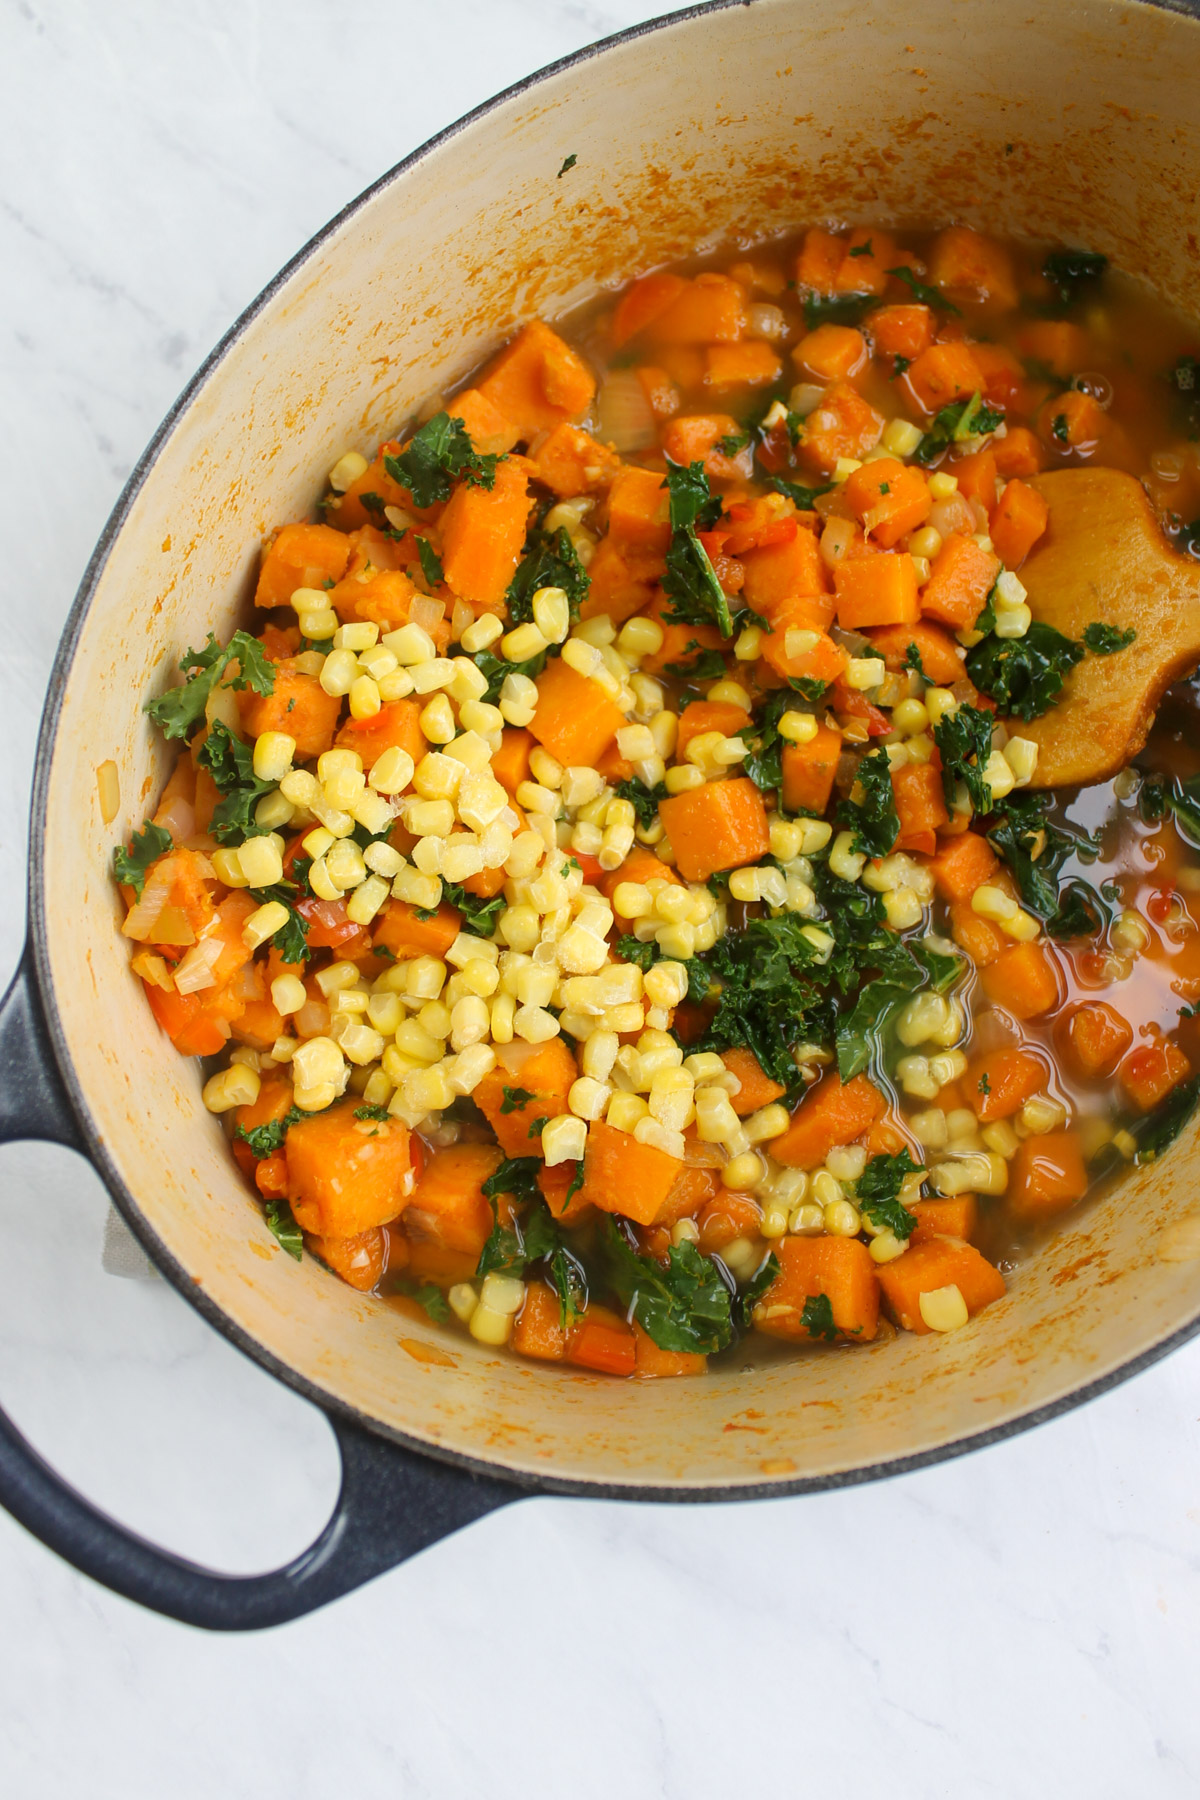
pixel 1104 558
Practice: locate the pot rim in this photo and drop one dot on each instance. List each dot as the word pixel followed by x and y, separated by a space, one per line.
pixel 118 1191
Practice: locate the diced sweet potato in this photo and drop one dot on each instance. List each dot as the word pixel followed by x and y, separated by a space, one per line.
pixel 1150 1072
pixel 937 1262
pixel 359 1260
pixel 546 1078
pixel 1094 1038
pixel 538 381
pixel 347 1174
pixel 757 1089
pixel 831 1113
pixel 622 1176
pixel 722 825
pixel 298 705
pixel 1046 1175
pixel 1000 1083
pixel 839 1268
pixel 956 1218
pixel 448 1207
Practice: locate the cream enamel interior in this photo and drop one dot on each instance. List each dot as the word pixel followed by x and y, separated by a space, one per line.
pixel 1078 124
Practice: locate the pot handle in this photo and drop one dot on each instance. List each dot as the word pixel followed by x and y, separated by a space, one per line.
pixel 392 1503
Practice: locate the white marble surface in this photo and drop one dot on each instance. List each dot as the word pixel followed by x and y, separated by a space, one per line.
pixel 1022 1621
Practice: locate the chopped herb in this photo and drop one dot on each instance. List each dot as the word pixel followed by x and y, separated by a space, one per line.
pixel 862 249
pixel 1061 429
pixel 690 581
pixel 231 765
pixel 1024 676
pixel 964 740
pixel 568 164
pixel 748 1300
pixel 861 1030
pixel 877 1193
pixel 265 1140
pixel 547 562
pixel 961 420
pixel 644 800
pixel 925 296
pixel 291 939
pixel 1080 913
pixel 433 1300
pixel 684 1306
pixel 1159 796
pixel 943 967
pixel 180 711
pixel 808 687
pixel 576 1184
pixel 1105 640
pixel 431 563
pixel 513 1097
pixel 873 819
pixel 374 503
pixel 734 443
pixel 146 846
pixel 1071 270
pixel 370 1111
pixel 440 453
pixel 766 999
pixel 537 1128
pixel 283 1227
pixel 901 365
pixel 516 1175
pixel 817 1317
pixel 984 1084
pixel 496 671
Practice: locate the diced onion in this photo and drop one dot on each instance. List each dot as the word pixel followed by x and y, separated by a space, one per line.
pixel 625 419
pixel 178 816
pixel 426 612
pixel 196 969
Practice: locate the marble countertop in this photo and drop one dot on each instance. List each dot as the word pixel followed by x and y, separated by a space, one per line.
pixel 1023 1620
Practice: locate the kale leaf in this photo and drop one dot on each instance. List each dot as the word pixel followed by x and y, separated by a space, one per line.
pixel 1103 640
pixel 764 1001
pixel 180 711
pixel 496 671
pixel 873 819
pixel 837 309
pixel 816 1316
pixel 804 498
pixel 480 915
pixel 291 940
pixel 877 1193
pixel 690 581
pixel 265 1140
pixel 516 1175
pixel 964 739
pixel 231 765
pixel 1080 912
pixel 643 799
pixel 706 665
pixel 282 1225
pixel 514 1097
pixel 764 765
pixel 1161 794
pixel 1035 849
pixel 684 1306
pixel 1072 270
pixel 145 847
pixel 371 1111
pixel 548 561
pixel 926 296
pixel 955 423
pixel 750 1297
pixel 440 453
pixel 1024 676
pixel 431 562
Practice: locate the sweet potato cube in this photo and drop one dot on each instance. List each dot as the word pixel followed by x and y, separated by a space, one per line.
pixel 838 1268
pixel 347 1174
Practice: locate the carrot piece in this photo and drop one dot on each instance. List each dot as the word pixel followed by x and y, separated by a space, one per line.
pixel 622 1176
pixel 1095 1037
pixel 1017 522
pixel 510 763
pixel 979 937
pixel 999 1085
pixel 752 364
pixel 639 515
pixel 1060 345
pixel 940 656
pixel 347 1174
pixel 956 1218
pixel 757 1089
pixel 546 1077
pixel 821 256
pixel 920 805
pixel 798 647
pixel 680 641
pixel 727 1217
pixel 831 352
pixel 1150 1072
pixel 976 476
pixel 890 498
pixel 944 372
pixel 902 330
pixel 1018 454
pixel 831 1113
pixel 555 1180
pixel 843 425
pixel 448 1207
pixel 358 1260
pixel 960 581
pixel 395 726
pixel 839 1268
pixel 538 1330
pixel 483 531
pixel 877 590
pixel 961 865
pixel 300 556
pixel 642 303
pixel 1069 420
pixel 1046 1175
pixel 964 261
pixel 695 437
pixel 406 935
pixel 299 705
pixel 650 1362
pixel 809 771
pixel 709 715
pixel 710 309
pixel 575 719
pixel 538 381
pixel 490 432
pixel 608 1348
pixel 721 825
pixel 1024 980
pixel 937 1262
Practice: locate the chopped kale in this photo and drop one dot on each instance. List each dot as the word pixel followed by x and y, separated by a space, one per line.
pixel 955 423
pixel 643 799
pixel 145 847
pixel 873 819
pixel 926 296
pixel 1159 1129
pixel 291 940
pixel 766 998
pixel 706 665
pixel 439 454
pixel 1035 849
pixel 283 1227
pixel 514 1097
pixel 877 1193
pixel 548 561
pixel 537 1128
pixel 1070 271
pixel 964 740
pixel 804 498
pixel 179 712
pixel 479 915
pixel 764 765
pixel 943 967
pixel 516 1175
pixel 568 163
pixel 697 597
pixel 817 1317
pixel 1160 795
pixel 1061 429
pixel 912 660
pixel 684 1306
pixel 370 1111
pixel 1024 676
pixel 265 1140
pixel 837 309
pixel 749 1299
pixel 1080 912
pixel 374 503
pixel 431 563
pixel 734 443
pixel 496 671
pixel 1104 640
pixel 231 765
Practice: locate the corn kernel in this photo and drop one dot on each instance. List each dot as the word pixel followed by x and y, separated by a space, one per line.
pixel 523 644
pixel 483 633
pixel 234 1086
pixel 338 672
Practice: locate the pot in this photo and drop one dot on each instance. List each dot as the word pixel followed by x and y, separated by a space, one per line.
pixel 1077 124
